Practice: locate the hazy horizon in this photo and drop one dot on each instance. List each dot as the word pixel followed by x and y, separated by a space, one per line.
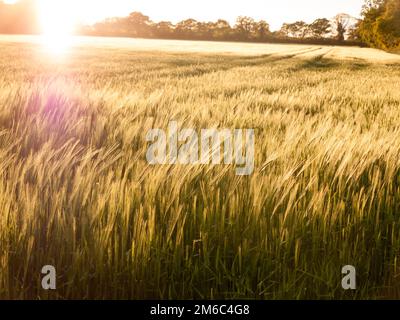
pixel 275 13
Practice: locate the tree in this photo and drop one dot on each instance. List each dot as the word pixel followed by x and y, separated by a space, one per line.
pixel 353 33
pixel 221 30
pixel 205 30
pixel 262 30
pixel 299 29
pixel 163 29
pixel 342 23
pixel 110 27
pixel 284 32
pixel 245 27
pixel 388 25
pixel 366 29
pixel 187 28
pixel 138 24
pixel 380 26
pixel 320 28
pixel 372 4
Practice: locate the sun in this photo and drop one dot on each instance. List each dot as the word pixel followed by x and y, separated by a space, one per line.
pixel 57 21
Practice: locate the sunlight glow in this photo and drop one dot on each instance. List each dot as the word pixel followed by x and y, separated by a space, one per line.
pixel 57 19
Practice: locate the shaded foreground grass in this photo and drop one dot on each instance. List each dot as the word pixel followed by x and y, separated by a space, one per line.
pixel 76 191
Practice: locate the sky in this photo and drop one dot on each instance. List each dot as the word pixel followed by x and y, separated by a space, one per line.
pixel 275 12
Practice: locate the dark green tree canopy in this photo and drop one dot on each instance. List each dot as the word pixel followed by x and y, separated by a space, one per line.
pixel 380 26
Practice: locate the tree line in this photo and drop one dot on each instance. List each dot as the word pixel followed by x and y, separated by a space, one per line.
pixel 379 27
pixel 336 30
pixel 20 18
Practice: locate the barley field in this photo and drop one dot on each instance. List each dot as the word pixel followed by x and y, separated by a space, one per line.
pixel 76 191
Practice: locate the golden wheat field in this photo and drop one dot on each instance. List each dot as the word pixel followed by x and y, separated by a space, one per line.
pixel 76 191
